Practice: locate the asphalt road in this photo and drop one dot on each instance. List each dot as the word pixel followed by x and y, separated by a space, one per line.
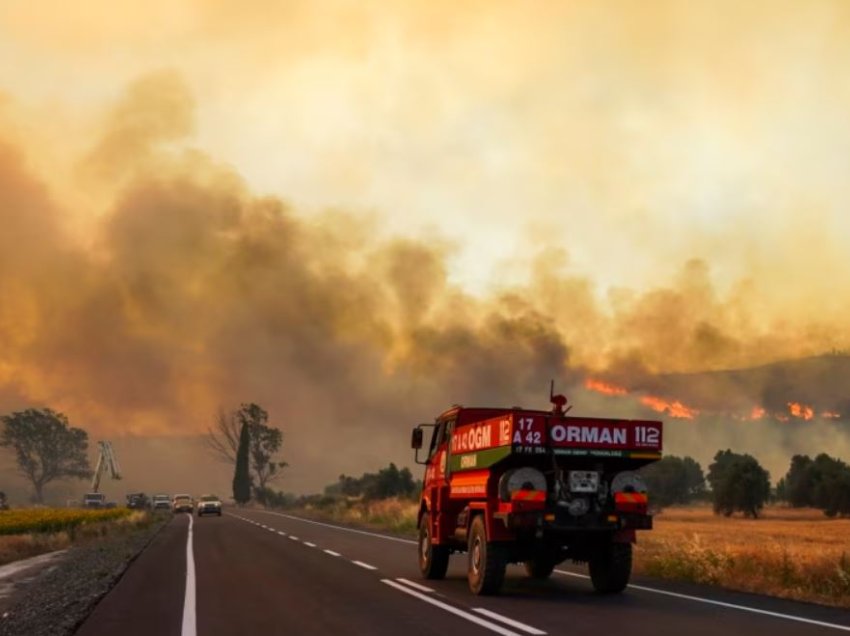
pixel 255 572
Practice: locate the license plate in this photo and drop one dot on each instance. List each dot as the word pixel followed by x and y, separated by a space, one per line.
pixel 584 481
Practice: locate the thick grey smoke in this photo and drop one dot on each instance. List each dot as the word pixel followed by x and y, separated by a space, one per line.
pixel 192 293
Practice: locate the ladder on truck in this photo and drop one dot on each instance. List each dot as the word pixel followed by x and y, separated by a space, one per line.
pixel 106 462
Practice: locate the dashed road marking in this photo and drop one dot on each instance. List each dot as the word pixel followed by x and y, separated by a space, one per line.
pixel 332 553
pixel 472 618
pixel 365 566
pixel 294 538
pixel 528 629
pixel 309 545
pixel 416 586
pixel 343 528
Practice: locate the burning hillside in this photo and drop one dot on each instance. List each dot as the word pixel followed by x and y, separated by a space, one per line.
pixel 820 384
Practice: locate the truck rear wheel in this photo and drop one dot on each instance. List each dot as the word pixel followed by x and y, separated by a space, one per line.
pixel 433 559
pixel 611 567
pixel 539 567
pixel 487 561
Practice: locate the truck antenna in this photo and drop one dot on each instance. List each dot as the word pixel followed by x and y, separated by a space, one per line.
pixel 558 401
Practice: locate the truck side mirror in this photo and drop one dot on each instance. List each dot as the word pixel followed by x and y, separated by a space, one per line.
pixel 416 439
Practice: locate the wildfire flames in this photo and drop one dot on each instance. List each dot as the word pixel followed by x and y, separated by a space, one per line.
pixel 800 410
pixel 603 387
pixel 674 409
pixel 678 410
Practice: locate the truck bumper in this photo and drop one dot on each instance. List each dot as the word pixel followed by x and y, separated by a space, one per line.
pixel 559 521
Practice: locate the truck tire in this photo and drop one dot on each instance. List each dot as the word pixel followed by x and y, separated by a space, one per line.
pixel 539 568
pixel 487 561
pixel 611 567
pixel 433 559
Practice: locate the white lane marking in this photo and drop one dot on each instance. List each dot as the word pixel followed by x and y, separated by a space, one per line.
pixel 281 533
pixel 472 618
pixel 332 553
pixel 189 603
pixel 708 601
pixel 309 545
pixel 416 586
pixel 294 538
pixel 330 525
pixel 364 565
pixel 528 629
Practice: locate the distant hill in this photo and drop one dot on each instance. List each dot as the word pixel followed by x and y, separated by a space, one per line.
pixel 821 382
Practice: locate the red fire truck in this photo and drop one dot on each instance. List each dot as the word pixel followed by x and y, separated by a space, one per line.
pixel 510 485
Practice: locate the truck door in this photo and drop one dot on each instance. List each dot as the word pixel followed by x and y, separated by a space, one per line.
pixel 437 480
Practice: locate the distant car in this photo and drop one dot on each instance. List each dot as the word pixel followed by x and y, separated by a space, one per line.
pixel 182 503
pixel 94 500
pixel 209 505
pixel 138 501
pixel 161 502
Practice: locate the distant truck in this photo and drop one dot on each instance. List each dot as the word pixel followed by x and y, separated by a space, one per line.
pixel 95 500
pixel 138 501
pixel 510 485
pixel 161 502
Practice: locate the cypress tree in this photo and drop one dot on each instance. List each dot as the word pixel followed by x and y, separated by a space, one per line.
pixel 242 475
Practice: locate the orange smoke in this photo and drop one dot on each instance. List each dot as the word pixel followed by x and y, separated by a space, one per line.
pixel 674 409
pixel 800 410
pixel 603 387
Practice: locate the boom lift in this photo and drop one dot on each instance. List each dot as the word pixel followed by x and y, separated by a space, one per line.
pixel 105 462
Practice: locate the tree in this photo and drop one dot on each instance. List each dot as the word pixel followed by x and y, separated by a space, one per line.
pixel 738 482
pixel 822 482
pixel 265 441
pixel 46 447
pixel 798 484
pixel 242 474
pixel 387 482
pixel 674 480
pixel 223 438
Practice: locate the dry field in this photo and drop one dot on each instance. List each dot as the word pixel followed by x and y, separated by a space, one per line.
pixel 799 554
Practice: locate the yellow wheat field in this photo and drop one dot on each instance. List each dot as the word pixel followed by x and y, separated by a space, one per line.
pixel 28 520
pixel 799 554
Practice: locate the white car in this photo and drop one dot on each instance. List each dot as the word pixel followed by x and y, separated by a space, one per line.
pixel 183 503
pixel 161 502
pixel 209 504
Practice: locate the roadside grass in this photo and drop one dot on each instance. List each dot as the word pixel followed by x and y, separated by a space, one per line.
pixel 28 532
pixel 790 553
pixel 395 515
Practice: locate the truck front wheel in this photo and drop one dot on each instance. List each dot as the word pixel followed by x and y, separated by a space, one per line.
pixel 433 559
pixel 487 561
pixel 611 567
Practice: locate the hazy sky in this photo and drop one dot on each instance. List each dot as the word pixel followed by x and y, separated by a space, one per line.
pixel 634 135
pixel 411 203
